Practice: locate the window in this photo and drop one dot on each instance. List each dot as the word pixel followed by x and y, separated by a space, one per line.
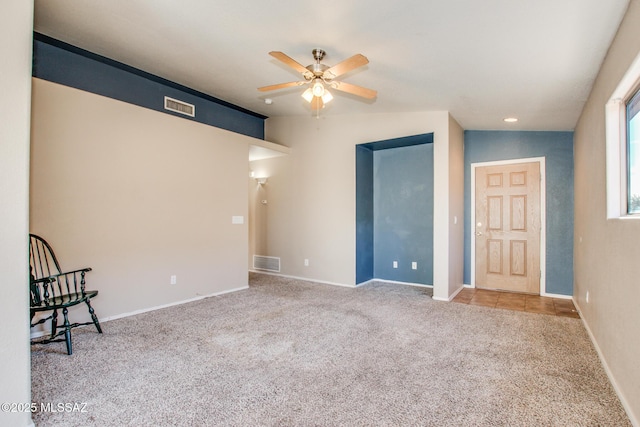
pixel 623 146
pixel 633 154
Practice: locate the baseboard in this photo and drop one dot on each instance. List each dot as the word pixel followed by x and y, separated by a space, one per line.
pixel 324 282
pixel 368 282
pixel 634 420
pixel 559 296
pixel 39 334
pixel 171 304
pixel 455 294
pixel 396 282
pixel 543 294
pixel 306 279
pixel 451 297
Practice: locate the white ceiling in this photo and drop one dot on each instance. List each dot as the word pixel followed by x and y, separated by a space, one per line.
pixel 482 60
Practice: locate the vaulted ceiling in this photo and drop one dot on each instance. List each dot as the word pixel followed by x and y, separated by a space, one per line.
pixel 481 60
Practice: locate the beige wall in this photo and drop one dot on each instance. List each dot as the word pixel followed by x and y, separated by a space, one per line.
pixel 448 202
pixel 606 252
pixel 456 206
pixel 16 28
pixel 138 196
pixel 258 216
pixel 311 210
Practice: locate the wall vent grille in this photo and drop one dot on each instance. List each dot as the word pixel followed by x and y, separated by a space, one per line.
pixel 268 263
pixel 179 107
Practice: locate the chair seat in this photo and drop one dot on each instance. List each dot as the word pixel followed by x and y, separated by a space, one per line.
pixel 65 301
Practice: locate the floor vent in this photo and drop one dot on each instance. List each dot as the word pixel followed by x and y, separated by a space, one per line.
pixel 179 107
pixel 268 263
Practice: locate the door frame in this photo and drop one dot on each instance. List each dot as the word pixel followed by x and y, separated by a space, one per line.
pixel 543 216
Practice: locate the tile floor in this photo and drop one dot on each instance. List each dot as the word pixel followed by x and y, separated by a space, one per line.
pixel 515 301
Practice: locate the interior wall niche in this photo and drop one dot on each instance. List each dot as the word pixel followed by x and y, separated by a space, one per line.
pixel 394 210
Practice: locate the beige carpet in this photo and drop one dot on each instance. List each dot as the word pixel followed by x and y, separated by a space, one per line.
pixel 293 353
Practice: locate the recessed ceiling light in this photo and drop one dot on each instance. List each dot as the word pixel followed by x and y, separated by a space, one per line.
pixel 510 119
pixel 268 101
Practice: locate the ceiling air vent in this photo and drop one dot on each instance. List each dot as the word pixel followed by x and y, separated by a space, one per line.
pixel 268 263
pixel 179 107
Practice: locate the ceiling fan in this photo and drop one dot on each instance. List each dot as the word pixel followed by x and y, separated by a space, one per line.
pixel 320 76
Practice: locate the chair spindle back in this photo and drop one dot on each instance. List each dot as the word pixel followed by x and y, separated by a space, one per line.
pixel 47 280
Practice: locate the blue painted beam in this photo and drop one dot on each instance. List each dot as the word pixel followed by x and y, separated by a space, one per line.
pixel 71 66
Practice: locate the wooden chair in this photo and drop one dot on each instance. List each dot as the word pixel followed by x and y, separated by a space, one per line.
pixel 52 290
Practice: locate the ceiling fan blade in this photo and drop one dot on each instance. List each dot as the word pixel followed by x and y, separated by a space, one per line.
pixel 280 86
pixel 316 103
pixel 355 90
pixel 291 63
pixel 345 66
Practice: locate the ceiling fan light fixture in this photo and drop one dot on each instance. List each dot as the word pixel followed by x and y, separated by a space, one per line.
pixel 318 88
pixel 317 75
pixel 327 96
pixel 307 95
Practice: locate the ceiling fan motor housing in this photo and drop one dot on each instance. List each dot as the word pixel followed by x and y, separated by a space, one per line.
pixel 318 54
pixel 317 69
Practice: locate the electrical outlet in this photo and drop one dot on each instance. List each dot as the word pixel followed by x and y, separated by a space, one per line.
pixel 174 279
pixel 306 262
pixel 414 265
pixel 395 264
pixel 587 297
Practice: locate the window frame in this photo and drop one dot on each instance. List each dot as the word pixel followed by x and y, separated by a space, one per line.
pixel 617 144
pixel 634 101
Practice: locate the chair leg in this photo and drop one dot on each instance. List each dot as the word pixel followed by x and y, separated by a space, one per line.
pixel 93 316
pixel 54 323
pixel 67 330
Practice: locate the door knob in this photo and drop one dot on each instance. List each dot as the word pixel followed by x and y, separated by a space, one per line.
pixel 478 233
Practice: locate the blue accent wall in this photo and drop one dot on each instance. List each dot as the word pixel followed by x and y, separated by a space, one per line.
pixel 364 214
pixel 403 213
pixel 557 148
pixel 394 209
pixel 68 65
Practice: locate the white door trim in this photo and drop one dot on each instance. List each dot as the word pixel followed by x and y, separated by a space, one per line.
pixel 543 216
